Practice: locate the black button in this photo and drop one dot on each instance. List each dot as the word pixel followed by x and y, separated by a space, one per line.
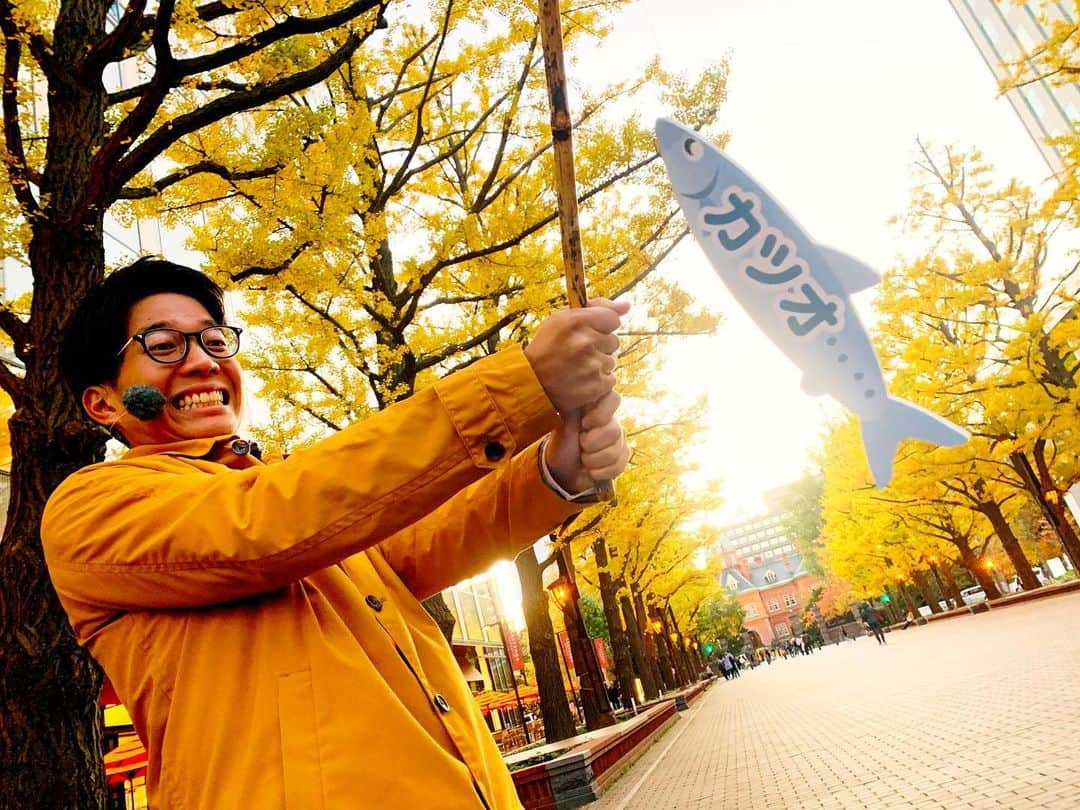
pixel 493 451
pixel 442 703
pixel 374 602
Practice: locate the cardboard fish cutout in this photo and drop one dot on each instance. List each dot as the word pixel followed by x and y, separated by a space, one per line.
pixel 796 290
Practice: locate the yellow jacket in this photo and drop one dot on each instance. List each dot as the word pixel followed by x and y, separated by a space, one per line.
pixel 262 623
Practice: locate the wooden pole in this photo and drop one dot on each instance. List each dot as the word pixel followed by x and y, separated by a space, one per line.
pixel 565 183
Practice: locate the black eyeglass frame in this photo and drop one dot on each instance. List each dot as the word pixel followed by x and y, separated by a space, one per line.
pixel 140 338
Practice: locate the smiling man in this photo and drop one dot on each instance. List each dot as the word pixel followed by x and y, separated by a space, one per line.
pixel 262 623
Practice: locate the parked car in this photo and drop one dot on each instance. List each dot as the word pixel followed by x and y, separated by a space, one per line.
pixel 973 595
pixel 1016 585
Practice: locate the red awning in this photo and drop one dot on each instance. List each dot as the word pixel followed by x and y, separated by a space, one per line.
pixel 492 699
pixel 126 761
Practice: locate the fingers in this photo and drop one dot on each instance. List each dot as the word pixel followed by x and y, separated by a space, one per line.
pixel 573 353
pixel 604 451
pixel 601 412
pixel 618 307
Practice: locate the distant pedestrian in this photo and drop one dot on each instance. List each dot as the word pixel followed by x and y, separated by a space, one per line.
pixel 614 694
pixel 727 666
pixel 872 622
pixel 734 665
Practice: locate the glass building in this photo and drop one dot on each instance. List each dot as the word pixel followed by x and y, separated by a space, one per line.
pixel 1003 32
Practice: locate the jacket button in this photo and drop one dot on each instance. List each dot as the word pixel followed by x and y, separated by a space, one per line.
pixel 374 602
pixel 442 703
pixel 493 451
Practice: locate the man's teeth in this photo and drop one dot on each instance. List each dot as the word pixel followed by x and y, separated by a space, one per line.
pixel 200 400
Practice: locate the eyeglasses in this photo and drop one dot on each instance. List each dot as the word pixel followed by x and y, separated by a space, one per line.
pixel 170 346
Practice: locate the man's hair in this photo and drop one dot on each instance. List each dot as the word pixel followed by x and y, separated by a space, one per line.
pixel 98 328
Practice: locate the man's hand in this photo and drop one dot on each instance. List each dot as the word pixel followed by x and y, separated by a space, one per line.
pixel 573 353
pixel 589 447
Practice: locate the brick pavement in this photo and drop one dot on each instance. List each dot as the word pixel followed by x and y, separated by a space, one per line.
pixel 976 712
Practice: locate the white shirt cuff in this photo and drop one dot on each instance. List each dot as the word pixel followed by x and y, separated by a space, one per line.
pixel 546 476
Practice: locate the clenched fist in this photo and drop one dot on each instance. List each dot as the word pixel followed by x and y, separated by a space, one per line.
pixel 573 353
pixel 588 447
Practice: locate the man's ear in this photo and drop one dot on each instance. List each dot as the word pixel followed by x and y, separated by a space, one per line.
pixel 102 405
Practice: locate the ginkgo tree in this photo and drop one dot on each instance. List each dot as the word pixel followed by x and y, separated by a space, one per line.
pixel 651 546
pixel 982 326
pixel 979 328
pixel 412 227
pixel 75 142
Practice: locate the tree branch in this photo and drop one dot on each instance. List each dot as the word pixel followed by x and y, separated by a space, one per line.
pixel 12 385
pixel 111 48
pixel 250 272
pixel 17 167
pixel 103 177
pixel 15 328
pixel 290 27
pixel 170 132
pixel 455 348
pixel 203 167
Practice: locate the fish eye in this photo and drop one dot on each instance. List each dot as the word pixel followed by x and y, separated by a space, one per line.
pixel 694 149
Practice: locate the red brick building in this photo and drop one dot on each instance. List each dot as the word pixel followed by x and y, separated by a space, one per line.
pixel 772 593
pixel 764 572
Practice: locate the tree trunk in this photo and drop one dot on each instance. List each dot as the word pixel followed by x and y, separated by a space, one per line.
pixel 1056 506
pixel 889 608
pixel 438 610
pixel 620 645
pixel 926 591
pixel 1010 543
pixel 972 563
pixel 941 587
pixel 50 733
pixel 912 608
pixel 668 647
pixel 950 580
pixel 664 681
pixel 594 699
pixel 642 664
pixel 683 644
pixel 558 722
pixel 1037 485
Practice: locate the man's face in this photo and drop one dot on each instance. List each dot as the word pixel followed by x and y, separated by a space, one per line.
pixel 203 394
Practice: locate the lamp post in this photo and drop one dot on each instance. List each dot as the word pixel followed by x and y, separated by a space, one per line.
pixel 594 697
pixel 937 578
pixel 663 650
pixel 513 678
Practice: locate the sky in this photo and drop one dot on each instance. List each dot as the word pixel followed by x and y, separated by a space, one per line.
pixel 825 102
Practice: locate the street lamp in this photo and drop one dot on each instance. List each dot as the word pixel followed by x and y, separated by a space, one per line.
pixel 593 695
pixel 565 593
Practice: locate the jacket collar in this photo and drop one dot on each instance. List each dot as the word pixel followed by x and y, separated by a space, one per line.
pixel 229 449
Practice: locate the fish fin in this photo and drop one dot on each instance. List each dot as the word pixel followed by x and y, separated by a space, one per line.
pixel 852 274
pixel 904 420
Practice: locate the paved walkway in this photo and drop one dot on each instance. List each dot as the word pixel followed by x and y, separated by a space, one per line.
pixel 976 712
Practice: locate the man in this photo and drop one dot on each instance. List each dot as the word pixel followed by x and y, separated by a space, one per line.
pixel 872 621
pixel 262 623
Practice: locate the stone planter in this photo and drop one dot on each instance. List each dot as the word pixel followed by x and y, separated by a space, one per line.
pixel 576 771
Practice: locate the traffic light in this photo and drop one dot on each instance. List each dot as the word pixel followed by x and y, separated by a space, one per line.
pixel 708 648
pixel 885 599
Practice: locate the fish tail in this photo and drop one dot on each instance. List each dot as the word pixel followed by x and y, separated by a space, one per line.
pixel 903 420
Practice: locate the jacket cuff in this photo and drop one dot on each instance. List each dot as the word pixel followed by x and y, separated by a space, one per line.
pixel 497 407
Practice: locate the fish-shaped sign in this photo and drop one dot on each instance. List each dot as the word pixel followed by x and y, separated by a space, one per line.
pixel 796 290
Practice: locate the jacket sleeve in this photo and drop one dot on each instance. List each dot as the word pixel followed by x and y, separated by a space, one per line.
pixel 161 532
pixel 491 520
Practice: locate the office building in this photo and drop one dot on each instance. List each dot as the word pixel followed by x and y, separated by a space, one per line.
pixel 1005 31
